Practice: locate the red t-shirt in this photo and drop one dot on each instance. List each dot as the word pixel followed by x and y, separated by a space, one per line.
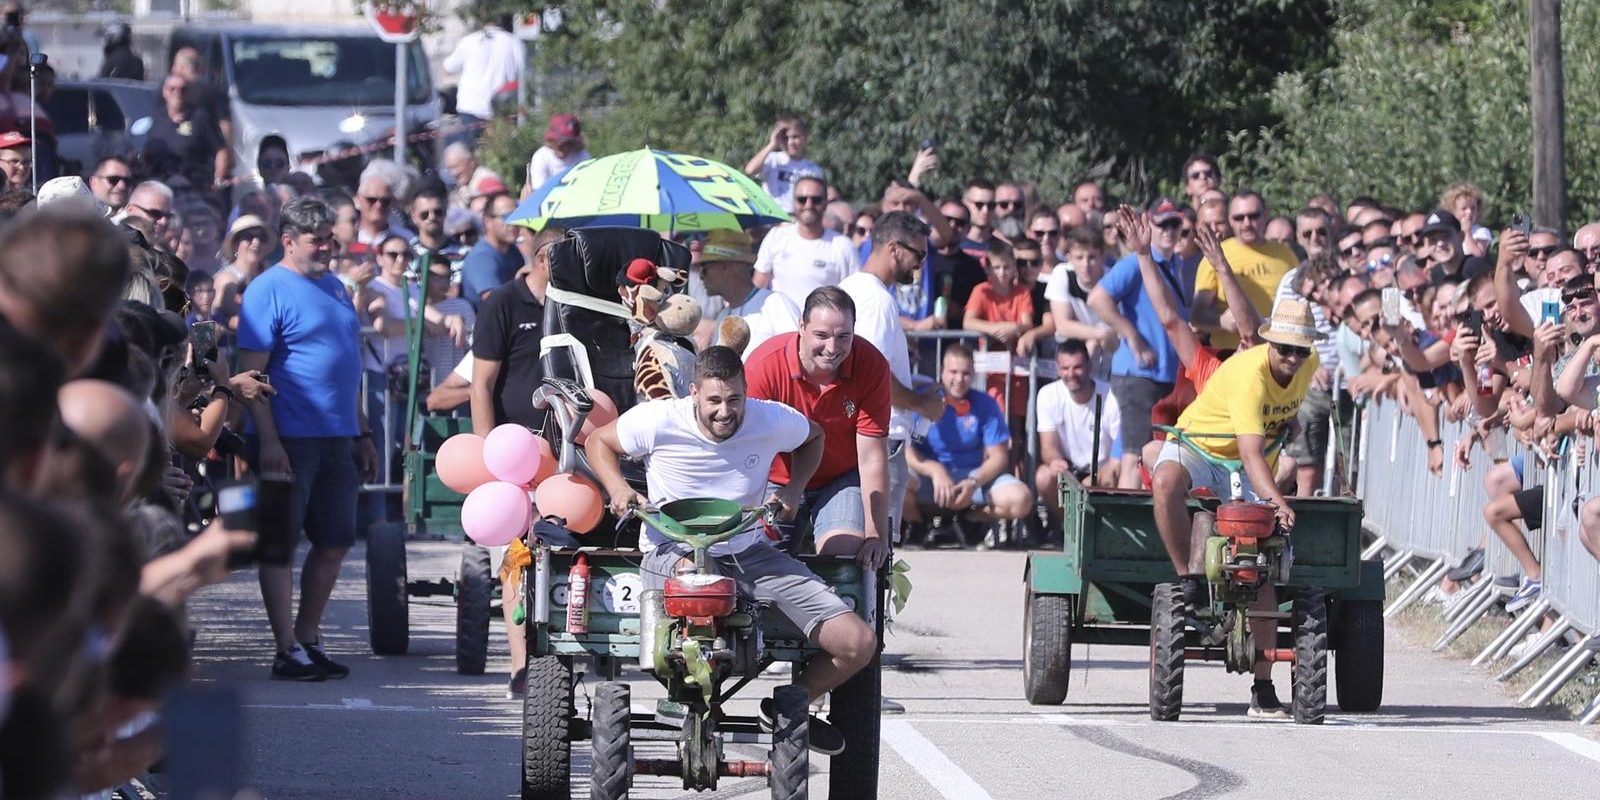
pixel 1191 382
pixel 857 402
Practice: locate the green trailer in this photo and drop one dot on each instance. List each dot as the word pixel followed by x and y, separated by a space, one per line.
pixel 1113 584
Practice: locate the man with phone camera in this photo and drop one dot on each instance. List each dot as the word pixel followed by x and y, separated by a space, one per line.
pixel 1440 242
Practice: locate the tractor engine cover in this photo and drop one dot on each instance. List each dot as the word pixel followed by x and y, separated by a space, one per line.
pixel 1246 520
pixel 700 597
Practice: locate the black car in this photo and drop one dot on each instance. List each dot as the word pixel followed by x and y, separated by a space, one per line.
pixel 96 118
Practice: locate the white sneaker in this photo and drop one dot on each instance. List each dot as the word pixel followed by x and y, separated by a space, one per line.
pixel 1521 648
pixel 1454 599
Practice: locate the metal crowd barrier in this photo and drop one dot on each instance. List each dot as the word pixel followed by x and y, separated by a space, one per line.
pixel 1427 523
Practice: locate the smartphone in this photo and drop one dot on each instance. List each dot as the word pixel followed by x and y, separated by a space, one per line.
pixel 203 335
pixel 1474 322
pixel 930 143
pixel 204 742
pixel 1522 224
pixel 236 508
pixel 1391 306
pixel 1550 311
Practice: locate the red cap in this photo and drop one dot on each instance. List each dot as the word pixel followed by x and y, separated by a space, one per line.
pixel 641 271
pixel 487 186
pixel 1164 209
pixel 12 139
pixel 563 128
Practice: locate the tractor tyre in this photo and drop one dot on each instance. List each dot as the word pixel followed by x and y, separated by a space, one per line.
pixel 1358 661
pixel 1310 657
pixel 547 730
pixel 474 594
pixel 1166 652
pixel 790 756
pixel 856 709
pixel 1046 648
pixel 612 750
pixel 388 605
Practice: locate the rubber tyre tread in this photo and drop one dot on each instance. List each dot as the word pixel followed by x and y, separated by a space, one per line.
pixel 790 757
pixel 611 745
pixel 388 604
pixel 1166 652
pixel 474 596
pixel 856 709
pixel 1358 662
pixel 1046 648
pixel 547 713
pixel 1310 657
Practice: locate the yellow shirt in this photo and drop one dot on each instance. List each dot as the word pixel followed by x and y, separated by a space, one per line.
pixel 1242 398
pixel 1260 269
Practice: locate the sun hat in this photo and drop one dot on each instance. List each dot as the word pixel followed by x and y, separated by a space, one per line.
pixel 69 189
pixel 1291 325
pixel 727 246
pixel 243 223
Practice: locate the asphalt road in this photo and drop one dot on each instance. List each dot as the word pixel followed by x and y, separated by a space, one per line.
pixel 411 727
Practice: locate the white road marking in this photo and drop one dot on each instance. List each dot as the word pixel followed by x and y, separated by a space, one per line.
pixel 1588 748
pixel 934 766
pixel 345 704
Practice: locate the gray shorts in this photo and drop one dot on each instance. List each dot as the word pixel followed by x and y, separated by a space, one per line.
pixel 1136 396
pixel 1203 473
pixel 763 572
pixel 1311 444
pixel 899 477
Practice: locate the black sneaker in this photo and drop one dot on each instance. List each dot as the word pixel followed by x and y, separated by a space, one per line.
pixel 296 665
pixel 822 736
pixel 318 656
pixel 1469 566
pixel 518 685
pixel 1264 702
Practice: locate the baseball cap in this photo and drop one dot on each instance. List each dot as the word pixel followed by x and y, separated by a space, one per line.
pixel 563 128
pixel 12 139
pixel 488 185
pixel 1164 209
pixel 1440 220
pixel 724 246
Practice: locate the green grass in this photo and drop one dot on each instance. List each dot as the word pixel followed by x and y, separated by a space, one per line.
pixel 1422 625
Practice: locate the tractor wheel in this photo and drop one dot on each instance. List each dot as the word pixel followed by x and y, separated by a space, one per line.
pixel 547 730
pixel 1310 657
pixel 1358 662
pixel 613 755
pixel 388 605
pixel 791 744
pixel 1046 648
pixel 1166 652
pixel 856 709
pixel 474 592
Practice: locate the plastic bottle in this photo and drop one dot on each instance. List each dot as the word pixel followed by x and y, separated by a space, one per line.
pixel 578 596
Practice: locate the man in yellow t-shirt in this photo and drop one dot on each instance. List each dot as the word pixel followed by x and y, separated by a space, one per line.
pixel 1254 396
pixel 1260 265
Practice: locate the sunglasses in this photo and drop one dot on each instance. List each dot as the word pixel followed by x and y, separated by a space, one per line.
pixel 1186 231
pixel 115 180
pixel 392 254
pixel 1171 224
pixel 1202 173
pixel 273 163
pixel 430 213
pixel 976 204
pixel 958 221
pixel 1353 251
pixel 1314 233
pixel 920 254
pixel 1288 351
pixel 1040 234
pixel 1007 203
pixel 1380 262
pixel 153 213
pixel 1408 239
pixel 1543 252
pixel 1251 215
pixel 1578 294
pixel 857 230
pixel 1027 263
pixel 378 201
pixel 810 200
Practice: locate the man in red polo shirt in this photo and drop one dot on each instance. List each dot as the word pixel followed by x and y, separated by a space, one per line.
pixel 842 385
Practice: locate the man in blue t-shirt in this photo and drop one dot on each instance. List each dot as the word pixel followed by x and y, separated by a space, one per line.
pixel 298 325
pixel 1145 367
pixel 495 259
pixel 965 460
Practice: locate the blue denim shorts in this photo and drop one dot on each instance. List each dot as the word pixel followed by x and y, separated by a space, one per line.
pixel 326 485
pixel 832 507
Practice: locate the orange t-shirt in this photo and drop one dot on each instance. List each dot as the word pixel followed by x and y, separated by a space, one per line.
pixel 1191 382
pixel 1017 307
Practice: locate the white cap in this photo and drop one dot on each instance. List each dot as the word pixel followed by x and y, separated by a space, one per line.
pixel 69 189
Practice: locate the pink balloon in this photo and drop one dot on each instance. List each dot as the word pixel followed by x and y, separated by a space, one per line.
pixel 573 498
pixel 604 413
pixel 496 513
pixel 547 464
pixel 460 463
pixel 511 452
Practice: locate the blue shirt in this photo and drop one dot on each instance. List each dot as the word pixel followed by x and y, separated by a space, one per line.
pixel 309 328
pixel 486 269
pixel 958 441
pixel 1126 287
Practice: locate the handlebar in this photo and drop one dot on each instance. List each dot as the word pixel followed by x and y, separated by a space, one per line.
pixel 685 534
pixel 1187 439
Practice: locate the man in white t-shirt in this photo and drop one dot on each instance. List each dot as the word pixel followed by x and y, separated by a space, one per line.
pixel 898 242
pixel 797 258
pixel 490 62
pixel 716 443
pixel 563 148
pixel 726 264
pixel 1068 292
pixel 1066 423
pixel 782 162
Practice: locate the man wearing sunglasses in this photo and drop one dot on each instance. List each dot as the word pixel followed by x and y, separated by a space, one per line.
pixel 1254 396
pixel 111 181
pixel 1200 175
pixel 796 258
pixel 1542 244
pixel 1259 264
pixel 979 200
pixel 375 200
pixel 428 210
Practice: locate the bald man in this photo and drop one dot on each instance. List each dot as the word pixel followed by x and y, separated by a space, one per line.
pixel 1587 241
pixel 113 422
pixel 1070 216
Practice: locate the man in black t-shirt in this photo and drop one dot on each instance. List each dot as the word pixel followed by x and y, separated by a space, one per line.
pixel 1440 244
pixel 955 271
pixel 184 139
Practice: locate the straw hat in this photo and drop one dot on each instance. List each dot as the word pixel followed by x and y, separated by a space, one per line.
pixel 727 246
pixel 243 223
pixel 1291 325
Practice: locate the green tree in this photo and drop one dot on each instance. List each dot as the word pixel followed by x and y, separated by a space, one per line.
pixel 1050 91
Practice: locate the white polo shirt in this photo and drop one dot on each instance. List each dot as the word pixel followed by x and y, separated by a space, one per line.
pixel 798 265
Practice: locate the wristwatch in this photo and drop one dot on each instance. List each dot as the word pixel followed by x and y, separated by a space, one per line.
pixel 1435 443
pixel 224 391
